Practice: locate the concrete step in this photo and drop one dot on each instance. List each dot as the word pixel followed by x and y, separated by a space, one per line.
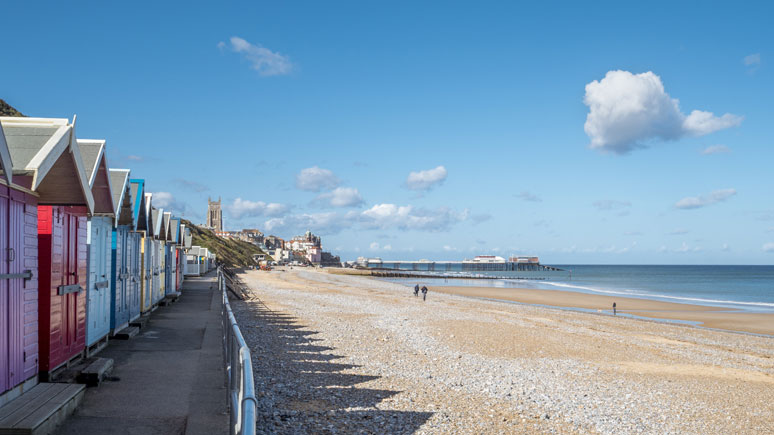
pixel 127 333
pixel 141 321
pixel 97 346
pixel 41 409
pixel 170 298
pixel 96 372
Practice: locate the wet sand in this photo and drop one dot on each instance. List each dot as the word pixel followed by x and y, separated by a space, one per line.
pixel 705 316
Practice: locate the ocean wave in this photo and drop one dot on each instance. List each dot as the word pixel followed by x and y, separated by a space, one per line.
pixel 625 292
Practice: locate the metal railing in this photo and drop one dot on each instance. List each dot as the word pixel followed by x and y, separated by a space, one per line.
pixel 239 370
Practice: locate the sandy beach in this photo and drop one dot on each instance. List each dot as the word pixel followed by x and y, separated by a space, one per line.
pixel 351 354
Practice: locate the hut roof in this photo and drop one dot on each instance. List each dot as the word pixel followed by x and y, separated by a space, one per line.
pixel 137 190
pixel 95 164
pixel 46 160
pixel 122 197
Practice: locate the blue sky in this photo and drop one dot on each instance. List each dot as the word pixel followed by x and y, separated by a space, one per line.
pixel 314 115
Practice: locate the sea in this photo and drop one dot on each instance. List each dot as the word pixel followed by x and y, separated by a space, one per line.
pixel 748 288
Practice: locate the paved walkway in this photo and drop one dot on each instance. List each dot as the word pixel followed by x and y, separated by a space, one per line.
pixel 169 379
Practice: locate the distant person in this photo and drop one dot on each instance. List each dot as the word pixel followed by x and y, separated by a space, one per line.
pixel 424 293
pixel 416 290
pixel 614 308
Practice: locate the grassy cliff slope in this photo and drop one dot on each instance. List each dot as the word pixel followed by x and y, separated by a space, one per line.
pixel 7 110
pixel 233 253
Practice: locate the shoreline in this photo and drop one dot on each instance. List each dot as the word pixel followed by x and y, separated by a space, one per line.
pixel 703 316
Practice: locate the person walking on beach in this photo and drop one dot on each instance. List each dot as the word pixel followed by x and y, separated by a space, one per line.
pixel 614 308
pixel 416 290
pixel 424 293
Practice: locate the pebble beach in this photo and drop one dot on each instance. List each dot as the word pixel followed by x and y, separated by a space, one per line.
pixel 350 354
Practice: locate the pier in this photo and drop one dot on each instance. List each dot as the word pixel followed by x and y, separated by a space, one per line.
pixel 384 273
pixel 480 267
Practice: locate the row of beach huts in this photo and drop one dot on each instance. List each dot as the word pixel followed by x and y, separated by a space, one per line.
pixel 83 251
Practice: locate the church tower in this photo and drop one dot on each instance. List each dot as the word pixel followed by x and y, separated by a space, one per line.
pixel 214 216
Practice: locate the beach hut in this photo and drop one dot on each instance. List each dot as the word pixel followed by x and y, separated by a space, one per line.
pixel 179 256
pixel 185 245
pixel 18 278
pixel 121 250
pixel 158 254
pixel 99 236
pixel 46 160
pixel 172 237
pixel 169 250
pixel 192 261
pixel 147 258
pixel 165 246
pixel 140 222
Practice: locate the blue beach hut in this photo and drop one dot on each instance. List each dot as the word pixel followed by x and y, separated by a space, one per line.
pixel 121 250
pixel 137 191
pixel 99 227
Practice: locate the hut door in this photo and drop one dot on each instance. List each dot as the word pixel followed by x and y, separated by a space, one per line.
pixel 121 305
pixel 15 286
pixel 129 270
pixel 5 301
pixel 123 253
pixel 70 241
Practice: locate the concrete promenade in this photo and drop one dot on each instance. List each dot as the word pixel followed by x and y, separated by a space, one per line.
pixel 169 379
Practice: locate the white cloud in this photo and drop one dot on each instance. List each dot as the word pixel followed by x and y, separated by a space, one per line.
pixel 752 60
pixel 381 216
pixel 633 233
pixel 168 202
pixel 716 149
pixel 628 110
pixel 315 179
pixel 481 217
pixel 191 185
pixel 263 60
pixel 611 204
pixel 725 247
pixel 425 180
pixel 684 248
pixel 407 217
pixel 768 247
pixel 323 223
pixel 526 196
pixel 716 196
pixel 678 232
pixel 374 246
pixel 340 197
pixel 242 207
pixel 699 122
